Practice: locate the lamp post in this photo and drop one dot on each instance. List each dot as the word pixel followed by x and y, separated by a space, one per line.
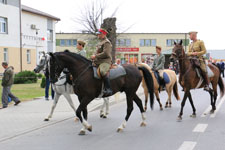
pixel 20 24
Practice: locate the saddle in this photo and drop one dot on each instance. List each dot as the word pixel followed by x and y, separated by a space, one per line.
pixel 115 72
pixel 163 81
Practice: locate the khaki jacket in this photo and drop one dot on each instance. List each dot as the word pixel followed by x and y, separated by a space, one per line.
pixel 8 76
pixel 103 54
pixel 198 47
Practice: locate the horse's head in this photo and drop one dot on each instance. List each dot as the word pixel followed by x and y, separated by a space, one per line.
pixel 55 67
pixel 42 63
pixel 178 51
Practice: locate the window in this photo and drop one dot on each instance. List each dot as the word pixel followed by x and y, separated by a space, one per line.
pixel 142 42
pixel 123 42
pixel 3 25
pixel 62 42
pixel 148 42
pixel 170 42
pixel 28 56
pixel 68 43
pixel 5 55
pixel 74 42
pixel 50 35
pixel 3 1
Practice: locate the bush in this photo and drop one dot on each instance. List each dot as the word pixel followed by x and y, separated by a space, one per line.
pixel 25 77
pixel 39 76
pixel 43 82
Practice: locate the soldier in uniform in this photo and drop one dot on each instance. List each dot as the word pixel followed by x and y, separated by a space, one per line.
pixel 80 47
pixel 103 59
pixel 158 64
pixel 197 49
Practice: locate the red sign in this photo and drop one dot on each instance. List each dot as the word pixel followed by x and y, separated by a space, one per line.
pixel 127 49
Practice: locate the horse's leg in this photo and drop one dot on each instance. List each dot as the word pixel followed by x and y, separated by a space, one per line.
pixel 69 100
pixel 129 110
pixel 83 108
pixel 192 105
pixel 102 108
pixel 56 98
pixel 169 92
pixel 158 99
pixel 106 105
pixel 213 96
pixel 182 105
pixel 138 101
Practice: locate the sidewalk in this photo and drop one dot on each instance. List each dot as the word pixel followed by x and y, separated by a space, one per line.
pixel 29 116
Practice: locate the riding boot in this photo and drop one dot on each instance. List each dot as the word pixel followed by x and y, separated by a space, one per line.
pixel 107 90
pixel 206 79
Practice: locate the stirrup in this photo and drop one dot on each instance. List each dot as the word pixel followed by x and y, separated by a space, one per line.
pixel 206 88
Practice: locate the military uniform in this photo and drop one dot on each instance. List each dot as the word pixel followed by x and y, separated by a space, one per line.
pixel 158 64
pixel 82 52
pixel 103 57
pixel 198 47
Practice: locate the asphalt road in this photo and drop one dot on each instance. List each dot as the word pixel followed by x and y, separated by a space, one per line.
pixel 163 132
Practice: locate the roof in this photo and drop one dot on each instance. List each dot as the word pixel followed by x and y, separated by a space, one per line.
pixel 38 12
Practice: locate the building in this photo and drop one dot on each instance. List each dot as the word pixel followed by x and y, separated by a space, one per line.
pixel 130 47
pixel 37 30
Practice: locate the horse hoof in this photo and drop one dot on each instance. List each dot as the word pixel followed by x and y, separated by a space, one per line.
pixel 82 132
pixel 89 128
pixel 161 108
pixel 211 111
pixel 166 106
pixel 104 116
pixel 76 119
pixel 193 116
pixel 179 118
pixel 170 106
pixel 119 130
pixel 143 124
pixel 101 115
pixel 46 119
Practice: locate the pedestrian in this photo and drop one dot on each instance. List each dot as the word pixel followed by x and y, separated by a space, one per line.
pixel 80 48
pixel 7 82
pixel 222 67
pixel 47 85
pixel 118 62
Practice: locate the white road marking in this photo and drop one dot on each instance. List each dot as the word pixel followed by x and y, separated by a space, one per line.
pixel 200 128
pixel 217 108
pixel 206 111
pixel 187 145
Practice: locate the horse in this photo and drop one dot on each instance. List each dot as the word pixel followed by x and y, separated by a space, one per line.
pixel 171 86
pixel 189 79
pixel 87 87
pixel 63 88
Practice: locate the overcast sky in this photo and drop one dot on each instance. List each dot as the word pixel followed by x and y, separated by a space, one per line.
pixel 148 16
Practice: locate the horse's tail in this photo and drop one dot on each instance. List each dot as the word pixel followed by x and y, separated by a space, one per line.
pixel 175 91
pixel 150 84
pixel 221 85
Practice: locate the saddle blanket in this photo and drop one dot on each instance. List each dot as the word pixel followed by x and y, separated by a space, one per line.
pixel 165 77
pixel 209 72
pixel 113 73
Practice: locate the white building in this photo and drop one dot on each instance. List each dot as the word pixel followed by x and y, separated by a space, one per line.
pixel 37 30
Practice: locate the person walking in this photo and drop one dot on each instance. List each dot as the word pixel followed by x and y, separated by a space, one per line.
pixel 222 68
pixel 80 48
pixel 7 82
pixel 47 85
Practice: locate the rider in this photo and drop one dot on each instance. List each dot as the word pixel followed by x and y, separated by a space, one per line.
pixel 80 47
pixel 158 64
pixel 197 49
pixel 103 59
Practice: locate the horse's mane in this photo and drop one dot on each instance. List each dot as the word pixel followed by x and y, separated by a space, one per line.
pixel 75 56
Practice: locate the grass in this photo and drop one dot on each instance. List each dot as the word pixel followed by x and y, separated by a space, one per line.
pixel 26 92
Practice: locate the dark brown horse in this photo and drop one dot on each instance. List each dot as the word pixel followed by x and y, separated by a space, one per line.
pixel 87 88
pixel 189 79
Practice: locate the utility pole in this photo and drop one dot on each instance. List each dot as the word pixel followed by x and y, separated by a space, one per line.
pixel 21 45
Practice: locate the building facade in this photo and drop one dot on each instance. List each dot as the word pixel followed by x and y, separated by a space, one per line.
pixel 37 34
pixel 130 47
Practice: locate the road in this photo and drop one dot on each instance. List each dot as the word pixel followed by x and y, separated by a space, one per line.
pixel 163 132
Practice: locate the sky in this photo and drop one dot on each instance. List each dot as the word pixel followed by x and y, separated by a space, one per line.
pixel 147 16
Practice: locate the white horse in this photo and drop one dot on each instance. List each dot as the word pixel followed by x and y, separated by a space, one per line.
pixel 61 87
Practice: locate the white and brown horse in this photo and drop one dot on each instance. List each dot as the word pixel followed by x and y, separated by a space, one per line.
pixel 171 86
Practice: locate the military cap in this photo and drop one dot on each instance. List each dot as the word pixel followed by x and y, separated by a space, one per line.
pixel 103 31
pixel 81 43
pixel 5 63
pixel 192 32
pixel 159 47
